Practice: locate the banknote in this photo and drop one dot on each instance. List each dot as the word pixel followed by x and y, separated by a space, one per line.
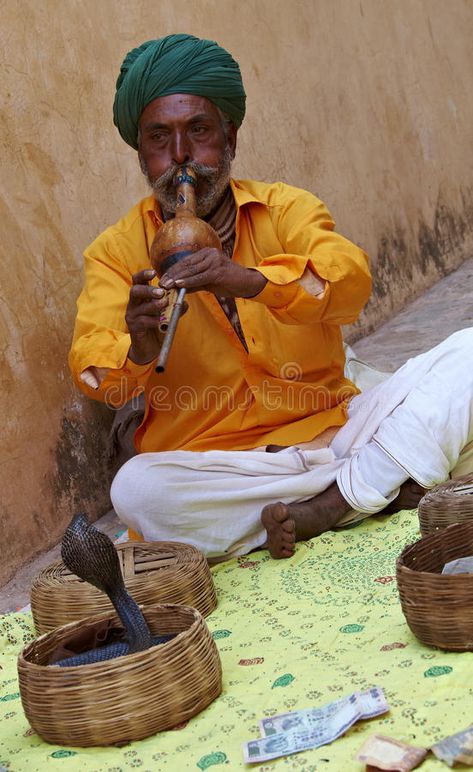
pixel 459 566
pixel 369 703
pixel 372 702
pixel 300 730
pixel 295 740
pixel 388 753
pixel 456 748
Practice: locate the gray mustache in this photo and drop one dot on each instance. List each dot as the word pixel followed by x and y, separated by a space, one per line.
pixel 201 170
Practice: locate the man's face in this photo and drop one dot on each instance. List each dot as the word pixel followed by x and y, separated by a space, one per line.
pixel 186 129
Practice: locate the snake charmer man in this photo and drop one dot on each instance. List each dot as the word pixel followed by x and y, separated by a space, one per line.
pixel 253 437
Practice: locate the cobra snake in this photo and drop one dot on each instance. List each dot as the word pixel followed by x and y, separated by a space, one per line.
pixel 91 555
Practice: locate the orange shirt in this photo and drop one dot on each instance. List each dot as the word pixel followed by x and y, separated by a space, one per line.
pixel 289 387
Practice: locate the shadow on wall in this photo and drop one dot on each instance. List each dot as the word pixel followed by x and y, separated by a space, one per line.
pixel 406 264
pixel 83 469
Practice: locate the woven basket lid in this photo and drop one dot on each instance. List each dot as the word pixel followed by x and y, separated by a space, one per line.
pixel 447 503
pixel 154 572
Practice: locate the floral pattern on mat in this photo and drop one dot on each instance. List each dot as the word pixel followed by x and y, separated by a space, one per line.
pixel 291 634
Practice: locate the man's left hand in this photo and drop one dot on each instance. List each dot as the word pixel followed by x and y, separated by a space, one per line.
pixel 211 270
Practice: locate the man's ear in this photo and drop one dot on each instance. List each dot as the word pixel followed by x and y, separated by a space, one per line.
pixel 232 138
pixel 141 160
pixel 142 163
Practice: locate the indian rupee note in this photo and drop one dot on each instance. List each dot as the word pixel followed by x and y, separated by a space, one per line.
pixel 369 703
pixel 456 748
pixel 301 737
pixel 388 753
pixel 372 702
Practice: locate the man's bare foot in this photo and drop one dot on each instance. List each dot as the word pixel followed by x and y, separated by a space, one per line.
pixel 410 493
pixel 287 523
pixel 281 530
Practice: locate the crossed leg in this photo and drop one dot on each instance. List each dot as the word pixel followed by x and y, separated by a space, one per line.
pixel 287 523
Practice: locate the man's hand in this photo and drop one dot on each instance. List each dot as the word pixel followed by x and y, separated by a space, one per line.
pixel 145 306
pixel 211 270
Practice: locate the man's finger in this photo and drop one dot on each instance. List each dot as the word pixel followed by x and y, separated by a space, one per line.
pixel 189 266
pixel 151 308
pixel 143 277
pixel 140 293
pixel 145 323
pixel 203 280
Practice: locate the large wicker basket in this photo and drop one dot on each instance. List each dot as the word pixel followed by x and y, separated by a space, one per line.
pixel 438 607
pixel 450 502
pixel 122 699
pixel 154 572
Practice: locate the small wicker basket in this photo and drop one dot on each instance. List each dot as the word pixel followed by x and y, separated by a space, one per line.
pixel 438 607
pixel 122 699
pixel 154 572
pixel 447 503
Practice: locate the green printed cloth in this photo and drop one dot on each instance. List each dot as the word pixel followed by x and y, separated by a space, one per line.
pixel 291 634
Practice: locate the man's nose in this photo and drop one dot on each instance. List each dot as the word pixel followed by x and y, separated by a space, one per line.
pixel 181 151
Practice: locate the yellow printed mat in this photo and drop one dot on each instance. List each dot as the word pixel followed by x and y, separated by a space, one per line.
pixel 291 634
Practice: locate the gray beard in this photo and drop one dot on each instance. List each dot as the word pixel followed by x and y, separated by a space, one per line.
pixel 217 179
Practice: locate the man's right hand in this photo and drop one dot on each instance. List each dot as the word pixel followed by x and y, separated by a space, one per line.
pixel 144 309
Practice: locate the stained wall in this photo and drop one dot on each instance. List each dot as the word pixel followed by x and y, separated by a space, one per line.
pixel 366 103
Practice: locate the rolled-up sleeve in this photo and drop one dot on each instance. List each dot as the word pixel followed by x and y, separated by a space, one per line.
pixel 101 339
pixel 306 232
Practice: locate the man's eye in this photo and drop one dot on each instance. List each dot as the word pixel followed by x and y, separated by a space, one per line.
pixel 159 136
pixel 199 129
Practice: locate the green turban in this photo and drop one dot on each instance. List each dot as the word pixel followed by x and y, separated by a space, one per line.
pixel 176 64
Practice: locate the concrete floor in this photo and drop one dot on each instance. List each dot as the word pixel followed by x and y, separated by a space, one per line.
pixel 442 310
pixel 16 593
pixel 445 308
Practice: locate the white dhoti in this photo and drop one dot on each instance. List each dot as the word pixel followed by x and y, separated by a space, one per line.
pixel 414 424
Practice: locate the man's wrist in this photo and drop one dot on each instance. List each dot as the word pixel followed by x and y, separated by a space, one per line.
pixel 142 360
pixel 255 284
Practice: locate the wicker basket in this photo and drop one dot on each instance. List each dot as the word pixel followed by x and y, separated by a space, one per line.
pixel 438 607
pixel 450 502
pixel 154 572
pixel 127 698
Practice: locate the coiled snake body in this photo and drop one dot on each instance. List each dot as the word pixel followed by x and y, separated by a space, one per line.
pixel 90 555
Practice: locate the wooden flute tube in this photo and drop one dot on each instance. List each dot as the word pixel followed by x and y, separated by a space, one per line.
pixel 177 238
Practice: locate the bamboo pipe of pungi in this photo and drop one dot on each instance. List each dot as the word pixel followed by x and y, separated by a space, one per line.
pixel 184 234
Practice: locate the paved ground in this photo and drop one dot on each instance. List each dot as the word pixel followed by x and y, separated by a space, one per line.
pixel 16 594
pixel 445 308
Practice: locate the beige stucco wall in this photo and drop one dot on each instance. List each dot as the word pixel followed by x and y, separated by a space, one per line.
pixel 365 102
